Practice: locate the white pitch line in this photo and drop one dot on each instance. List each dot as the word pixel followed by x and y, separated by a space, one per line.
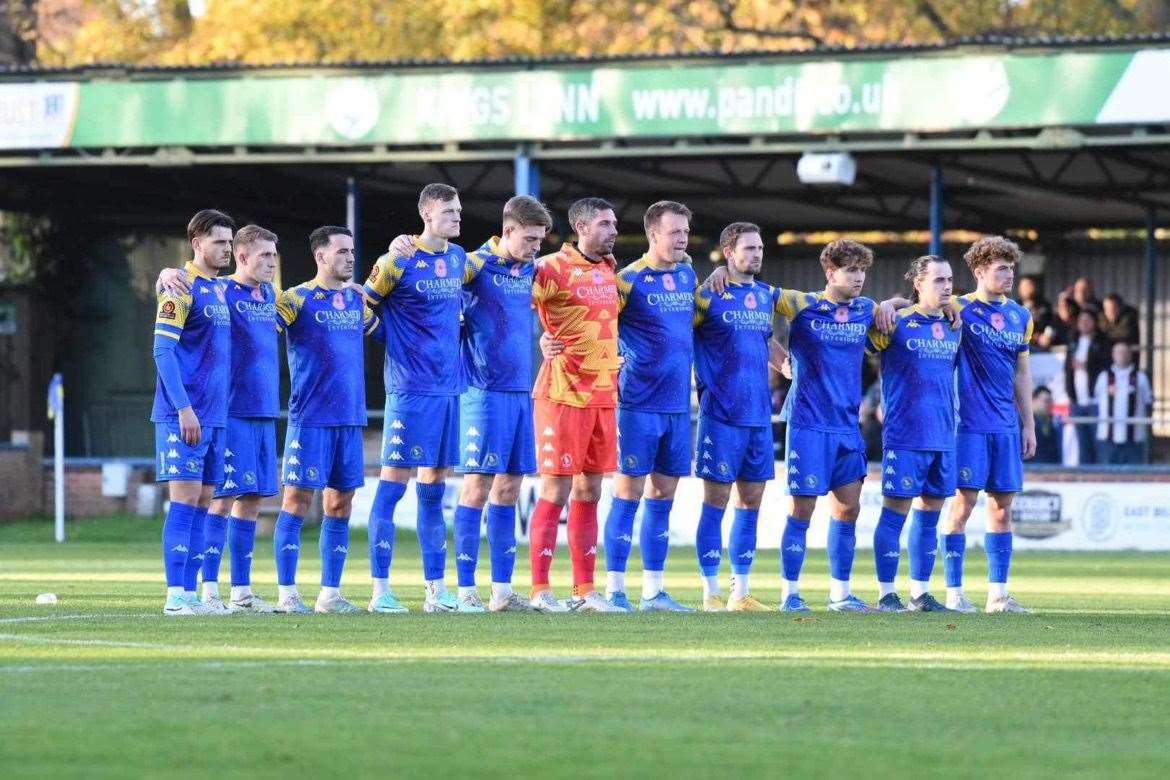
pixel 96 616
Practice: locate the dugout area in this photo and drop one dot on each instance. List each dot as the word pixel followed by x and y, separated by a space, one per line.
pixel 1083 185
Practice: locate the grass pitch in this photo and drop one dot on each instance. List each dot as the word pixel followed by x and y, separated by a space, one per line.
pixel 102 685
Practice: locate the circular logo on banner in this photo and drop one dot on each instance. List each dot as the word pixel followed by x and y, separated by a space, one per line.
pixel 352 108
pixel 1098 518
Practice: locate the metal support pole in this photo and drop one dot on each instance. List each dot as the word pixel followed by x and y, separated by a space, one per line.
pixel 527 174
pixel 353 219
pixel 936 209
pixel 57 412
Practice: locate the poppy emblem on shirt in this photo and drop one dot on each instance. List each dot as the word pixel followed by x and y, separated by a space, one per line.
pixel 842 314
pixel 440 268
pixel 597 277
pixel 997 321
pixel 515 271
pixel 936 330
pixel 750 302
pixel 257 294
pixel 668 282
pixel 338 301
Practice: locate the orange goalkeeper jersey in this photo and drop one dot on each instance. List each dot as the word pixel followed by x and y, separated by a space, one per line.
pixel 577 301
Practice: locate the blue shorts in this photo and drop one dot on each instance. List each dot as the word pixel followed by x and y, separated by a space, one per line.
pixel 990 461
pixel 420 430
pixel 201 463
pixel 820 461
pixel 914 473
pixel 324 457
pixel 497 435
pixel 249 458
pixel 654 441
pixel 732 452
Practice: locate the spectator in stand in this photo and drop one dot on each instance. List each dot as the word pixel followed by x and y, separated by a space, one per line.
pixel 1087 356
pixel 1083 295
pixel 1123 394
pixel 1118 320
pixel 1032 299
pixel 1049 429
pixel 1062 325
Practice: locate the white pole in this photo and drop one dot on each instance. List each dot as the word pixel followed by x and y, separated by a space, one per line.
pixel 59 462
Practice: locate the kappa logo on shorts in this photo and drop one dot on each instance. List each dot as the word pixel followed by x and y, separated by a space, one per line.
pixel 292 460
pixel 416 452
pixel 229 469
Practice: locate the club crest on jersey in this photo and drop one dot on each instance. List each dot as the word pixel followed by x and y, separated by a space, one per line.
pixel 338 301
pixel 257 294
pixel 997 321
pixel 937 331
pixel 749 302
pixel 668 282
pixel 1015 318
pixel 841 314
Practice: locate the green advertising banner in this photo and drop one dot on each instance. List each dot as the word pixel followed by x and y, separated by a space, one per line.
pixel 924 93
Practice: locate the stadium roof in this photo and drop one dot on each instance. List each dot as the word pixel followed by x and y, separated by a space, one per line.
pixel 1047 133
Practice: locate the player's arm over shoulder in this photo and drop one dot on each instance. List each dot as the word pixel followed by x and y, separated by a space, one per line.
pixel 384 276
pixel 789 303
pixel 288 306
pixel 876 340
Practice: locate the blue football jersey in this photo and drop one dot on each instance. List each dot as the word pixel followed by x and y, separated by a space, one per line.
pixel 918 381
pixel 731 353
pixel 420 297
pixel 497 320
pixel 995 334
pixel 200 322
pixel 826 342
pixel 325 330
pixel 255 377
pixel 655 337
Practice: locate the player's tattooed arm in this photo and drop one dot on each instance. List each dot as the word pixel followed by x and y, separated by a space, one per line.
pixel 1022 390
pixel 717 281
pixel 173 281
pixel 402 245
